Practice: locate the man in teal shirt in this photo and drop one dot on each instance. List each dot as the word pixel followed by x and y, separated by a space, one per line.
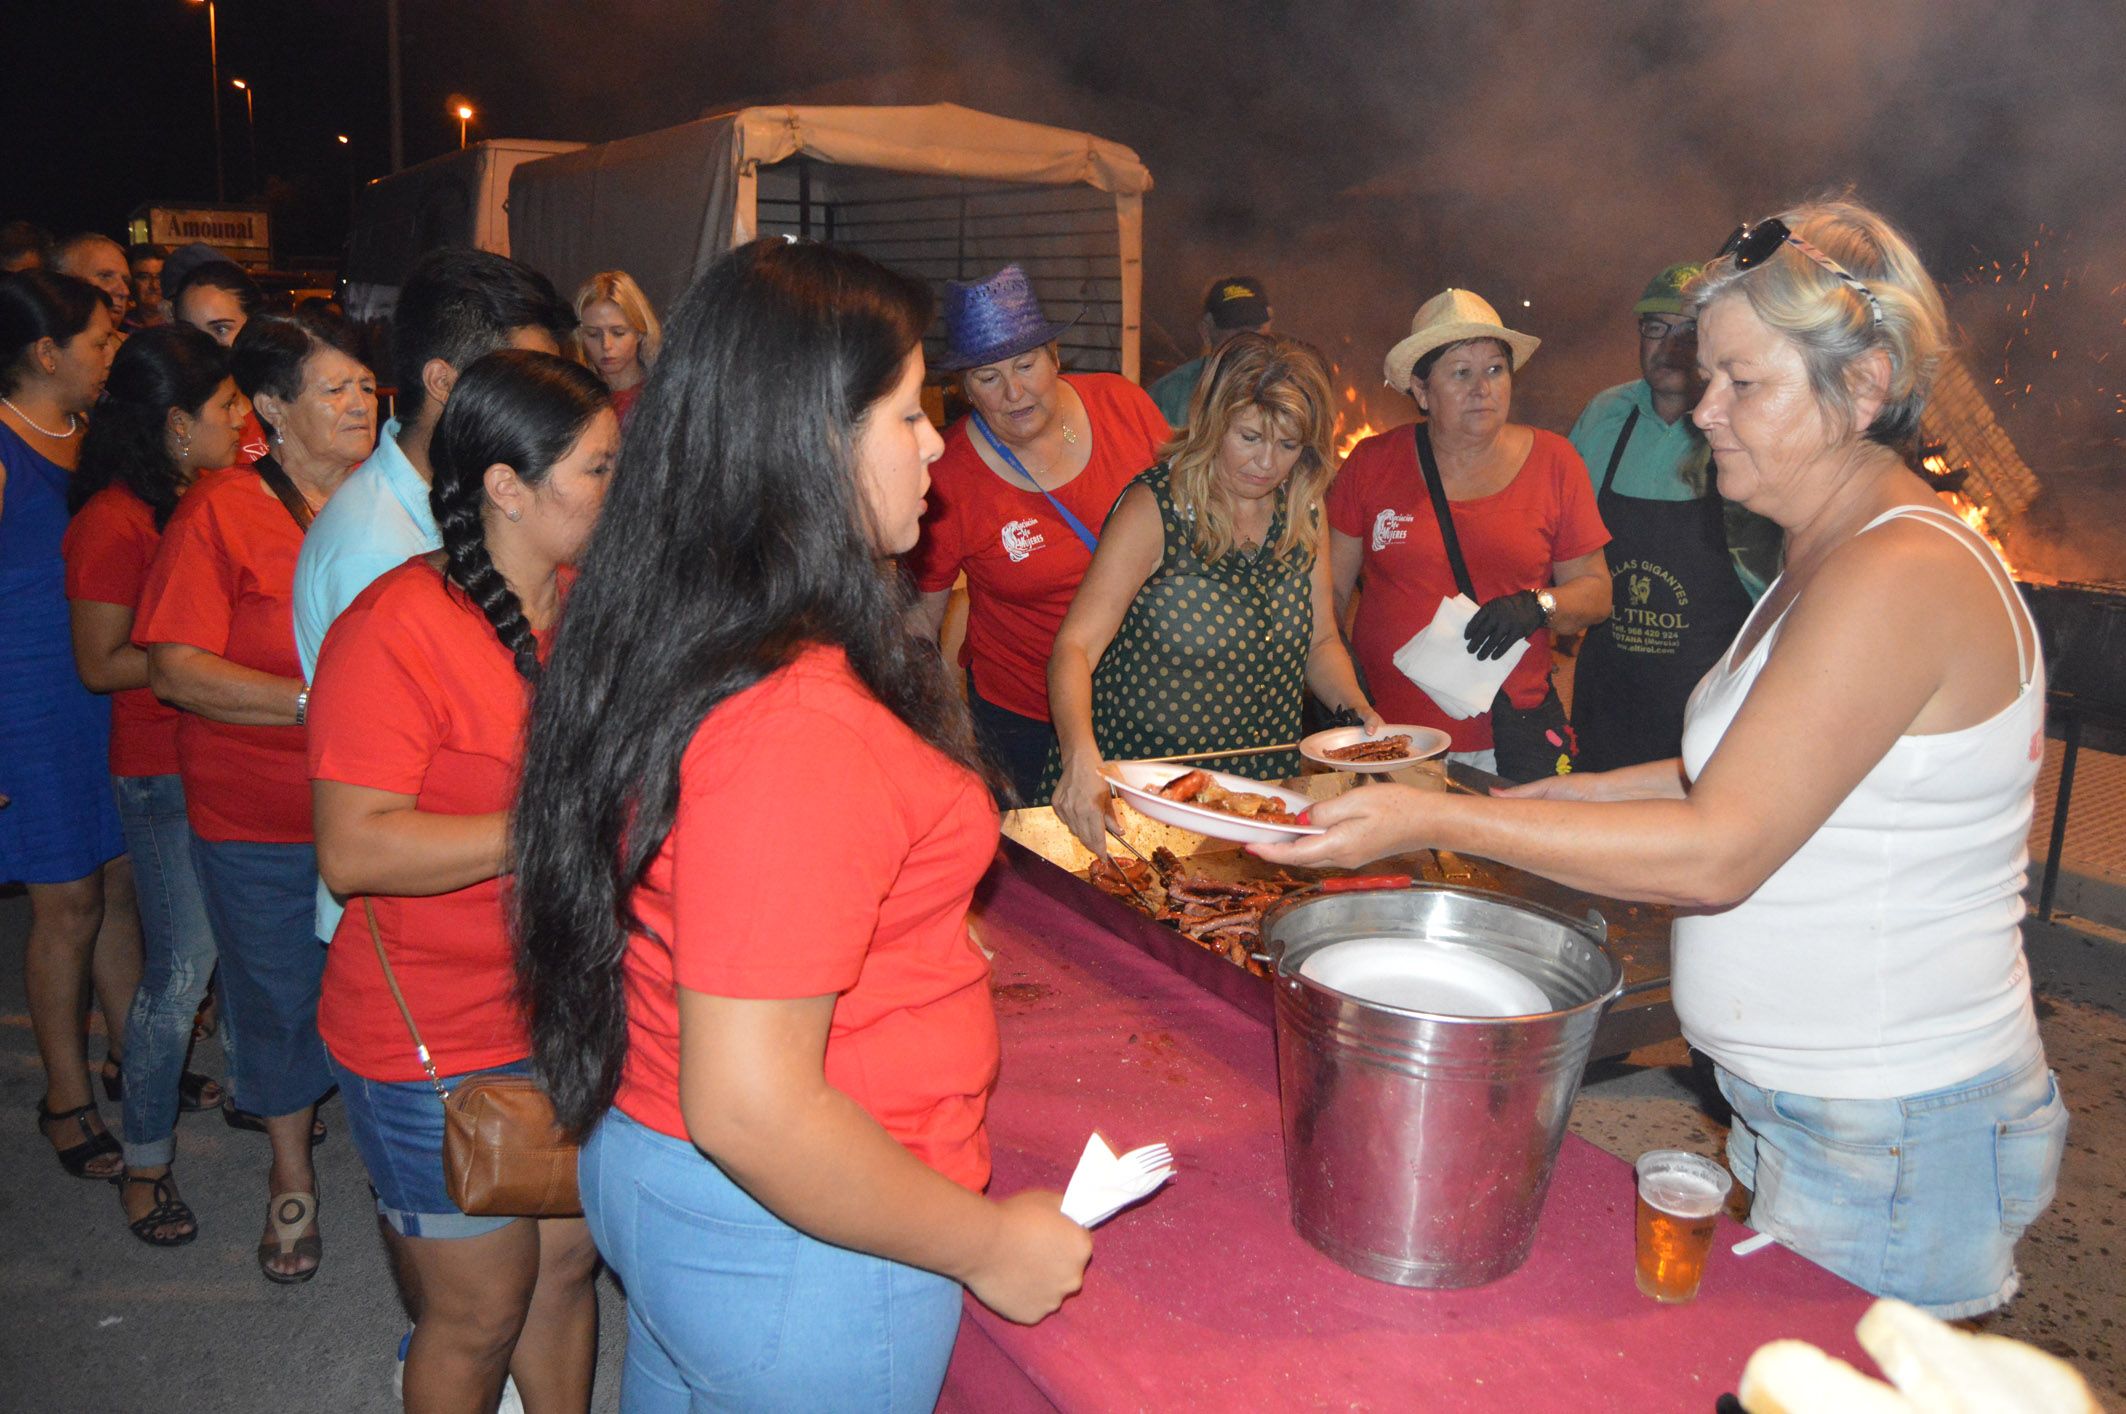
pixel 1237 304
pixel 1685 565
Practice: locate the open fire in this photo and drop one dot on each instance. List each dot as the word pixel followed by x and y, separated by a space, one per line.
pixel 1970 512
pixel 1352 424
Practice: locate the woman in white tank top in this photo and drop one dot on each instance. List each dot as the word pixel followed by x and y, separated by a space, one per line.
pixel 1844 832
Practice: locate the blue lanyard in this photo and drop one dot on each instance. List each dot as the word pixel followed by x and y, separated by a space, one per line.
pixel 1091 541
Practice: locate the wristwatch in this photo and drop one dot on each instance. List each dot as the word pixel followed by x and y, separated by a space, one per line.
pixel 1548 603
pixel 302 706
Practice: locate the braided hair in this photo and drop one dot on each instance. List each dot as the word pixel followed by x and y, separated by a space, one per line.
pixel 518 409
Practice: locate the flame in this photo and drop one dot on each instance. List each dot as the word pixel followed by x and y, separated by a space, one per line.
pixel 1973 514
pixel 1350 439
pixel 1353 426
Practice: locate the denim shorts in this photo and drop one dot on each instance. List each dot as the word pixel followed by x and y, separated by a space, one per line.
pixel 729 1307
pixel 398 1131
pixel 1922 1197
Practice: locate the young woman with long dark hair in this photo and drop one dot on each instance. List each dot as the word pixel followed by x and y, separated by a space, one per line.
pixel 170 411
pixel 416 720
pixel 751 822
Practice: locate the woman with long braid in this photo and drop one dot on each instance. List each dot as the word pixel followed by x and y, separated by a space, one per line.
pixel 416 717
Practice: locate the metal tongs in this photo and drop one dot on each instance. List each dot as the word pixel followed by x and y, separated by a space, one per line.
pixel 1118 836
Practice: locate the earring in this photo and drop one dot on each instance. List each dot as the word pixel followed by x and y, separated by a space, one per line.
pixel 514 516
pixel 184 445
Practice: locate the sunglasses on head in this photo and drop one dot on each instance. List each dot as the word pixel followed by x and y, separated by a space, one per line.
pixel 1753 245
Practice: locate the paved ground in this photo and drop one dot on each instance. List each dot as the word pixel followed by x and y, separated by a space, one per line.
pixel 101 1321
pixel 2073 1299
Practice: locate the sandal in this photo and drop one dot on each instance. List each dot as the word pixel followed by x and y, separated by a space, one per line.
pixel 169 1211
pixel 244 1119
pixel 292 1213
pixel 192 1088
pixel 95 1143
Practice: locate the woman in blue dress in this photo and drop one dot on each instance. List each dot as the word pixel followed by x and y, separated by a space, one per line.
pixel 58 821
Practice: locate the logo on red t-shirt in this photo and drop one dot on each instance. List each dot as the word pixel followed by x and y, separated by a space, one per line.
pixel 1388 529
pixel 1021 539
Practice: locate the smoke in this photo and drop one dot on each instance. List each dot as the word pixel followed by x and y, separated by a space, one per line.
pixel 1360 156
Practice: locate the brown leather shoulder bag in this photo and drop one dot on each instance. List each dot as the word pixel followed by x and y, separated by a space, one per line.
pixel 503 1154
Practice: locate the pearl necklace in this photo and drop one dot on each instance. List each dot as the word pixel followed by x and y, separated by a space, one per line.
pixel 73 422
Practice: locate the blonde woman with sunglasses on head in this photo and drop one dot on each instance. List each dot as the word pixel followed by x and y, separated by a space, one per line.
pixel 1846 824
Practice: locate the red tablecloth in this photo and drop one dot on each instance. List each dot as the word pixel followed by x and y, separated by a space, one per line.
pixel 1205 1297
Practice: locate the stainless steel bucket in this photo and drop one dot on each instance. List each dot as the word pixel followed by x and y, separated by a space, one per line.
pixel 1418 1147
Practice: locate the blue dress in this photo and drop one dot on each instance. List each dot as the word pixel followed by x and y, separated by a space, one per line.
pixel 61 822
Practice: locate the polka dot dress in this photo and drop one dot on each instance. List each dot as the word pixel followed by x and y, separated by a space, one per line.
pixel 1209 656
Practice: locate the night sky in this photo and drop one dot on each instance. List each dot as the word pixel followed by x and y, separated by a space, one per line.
pixel 1356 155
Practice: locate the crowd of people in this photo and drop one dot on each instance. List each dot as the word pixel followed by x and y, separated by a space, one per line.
pixel 426 737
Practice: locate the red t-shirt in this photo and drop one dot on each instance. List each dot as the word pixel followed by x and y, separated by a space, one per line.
pixel 624 402
pixel 108 547
pixel 1510 541
pixel 1023 561
pixel 821 847
pixel 222 582
pixel 415 695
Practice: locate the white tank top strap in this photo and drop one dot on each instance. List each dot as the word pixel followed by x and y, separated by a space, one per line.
pixel 1951 525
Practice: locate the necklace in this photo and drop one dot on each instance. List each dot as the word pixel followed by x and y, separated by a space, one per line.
pixel 73 422
pixel 1070 434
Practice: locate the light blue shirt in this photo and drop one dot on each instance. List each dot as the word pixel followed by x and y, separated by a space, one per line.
pixel 378 520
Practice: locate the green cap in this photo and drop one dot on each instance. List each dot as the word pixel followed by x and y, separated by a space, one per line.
pixel 1664 292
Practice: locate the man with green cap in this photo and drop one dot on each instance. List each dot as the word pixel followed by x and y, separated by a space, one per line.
pixel 1685 565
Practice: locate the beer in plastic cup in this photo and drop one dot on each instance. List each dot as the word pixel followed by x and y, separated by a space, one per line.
pixel 1680 1198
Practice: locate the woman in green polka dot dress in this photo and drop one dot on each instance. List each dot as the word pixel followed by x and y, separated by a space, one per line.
pixel 1207 612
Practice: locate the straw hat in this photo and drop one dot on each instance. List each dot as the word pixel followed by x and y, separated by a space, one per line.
pixel 1448 318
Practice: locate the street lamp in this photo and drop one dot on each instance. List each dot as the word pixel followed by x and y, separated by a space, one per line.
pixel 250 128
pixel 221 185
pixel 463 113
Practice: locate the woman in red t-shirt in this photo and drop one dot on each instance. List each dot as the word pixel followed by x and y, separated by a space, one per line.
pixel 1017 501
pixel 170 410
pixel 1522 508
pixel 217 622
pixel 416 719
pixel 749 831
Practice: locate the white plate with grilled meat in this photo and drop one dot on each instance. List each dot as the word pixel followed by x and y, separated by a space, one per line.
pixel 1419 744
pixel 1213 803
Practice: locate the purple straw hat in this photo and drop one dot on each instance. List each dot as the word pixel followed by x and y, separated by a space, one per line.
pixel 989 320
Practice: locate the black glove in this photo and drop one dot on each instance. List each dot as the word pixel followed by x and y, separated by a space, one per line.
pixel 1503 622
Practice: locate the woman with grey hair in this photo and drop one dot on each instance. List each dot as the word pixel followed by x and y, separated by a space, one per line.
pixel 1846 823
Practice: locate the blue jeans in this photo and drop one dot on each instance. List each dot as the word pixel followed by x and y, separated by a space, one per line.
pixel 1921 1197
pixel 262 901
pixel 398 1130
pixel 1018 745
pixel 177 959
pixel 729 1307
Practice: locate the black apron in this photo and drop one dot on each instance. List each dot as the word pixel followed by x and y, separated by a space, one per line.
pixel 1676 606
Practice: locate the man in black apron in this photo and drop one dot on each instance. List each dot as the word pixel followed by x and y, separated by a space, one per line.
pixel 1685 566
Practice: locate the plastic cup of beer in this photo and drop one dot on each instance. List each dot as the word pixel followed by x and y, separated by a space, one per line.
pixel 1680 1198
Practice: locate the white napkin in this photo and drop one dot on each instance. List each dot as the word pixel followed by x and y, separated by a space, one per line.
pixel 1103 1185
pixel 1438 661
